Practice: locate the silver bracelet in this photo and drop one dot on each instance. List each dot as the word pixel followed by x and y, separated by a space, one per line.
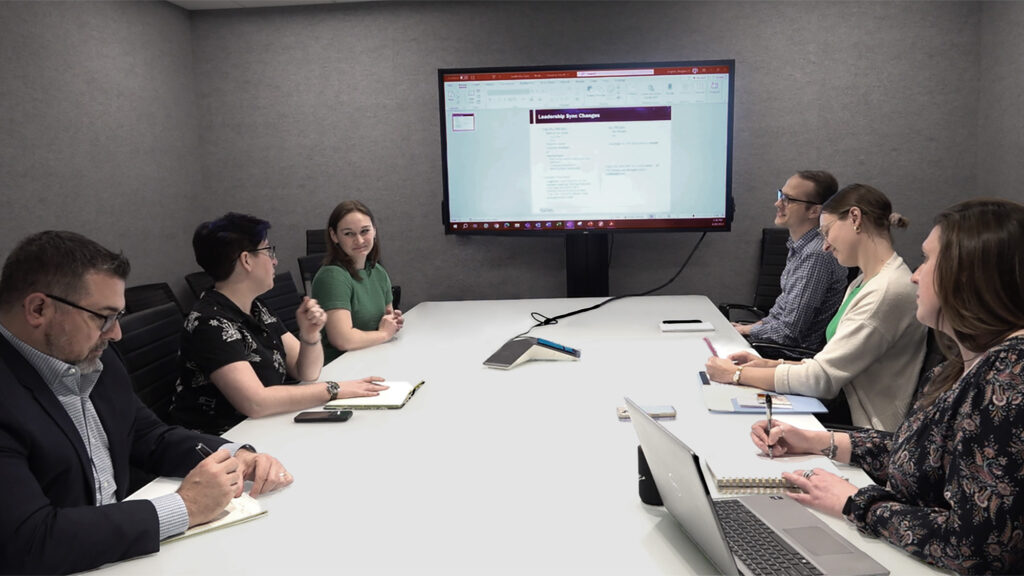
pixel 832 445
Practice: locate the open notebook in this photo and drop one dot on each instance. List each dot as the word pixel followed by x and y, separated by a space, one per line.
pixel 241 509
pixel 756 473
pixel 394 397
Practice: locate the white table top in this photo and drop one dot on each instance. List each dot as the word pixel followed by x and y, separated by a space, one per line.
pixel 490 471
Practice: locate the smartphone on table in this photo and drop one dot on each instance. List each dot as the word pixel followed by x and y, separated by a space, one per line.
pixel 323 416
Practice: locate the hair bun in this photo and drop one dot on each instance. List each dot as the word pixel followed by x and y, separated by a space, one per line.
pixel 896 219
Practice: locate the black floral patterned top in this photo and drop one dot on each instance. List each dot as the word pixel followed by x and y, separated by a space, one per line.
pixel 218 333
pixel 950 480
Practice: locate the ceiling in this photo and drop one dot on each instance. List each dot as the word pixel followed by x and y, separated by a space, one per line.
pixel 223 4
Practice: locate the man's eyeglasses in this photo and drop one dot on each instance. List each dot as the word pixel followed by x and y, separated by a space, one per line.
pixel 271 251
pixel 108 319
pixel 787 199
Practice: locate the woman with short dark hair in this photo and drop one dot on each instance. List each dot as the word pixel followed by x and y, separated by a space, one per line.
pixel 235 353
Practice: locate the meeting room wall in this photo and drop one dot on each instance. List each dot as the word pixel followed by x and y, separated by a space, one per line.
pixel 302 107
pixel 132 122
pixel 98 129
pixel 1001 136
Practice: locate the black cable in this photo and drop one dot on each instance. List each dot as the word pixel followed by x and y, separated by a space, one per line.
pixel 543 320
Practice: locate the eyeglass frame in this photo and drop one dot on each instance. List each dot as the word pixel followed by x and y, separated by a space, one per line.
pixel 789 199
pixel 108 319
pixel 270 248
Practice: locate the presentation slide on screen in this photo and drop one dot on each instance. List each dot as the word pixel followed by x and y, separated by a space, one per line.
pixel 567 145
pixel 604 160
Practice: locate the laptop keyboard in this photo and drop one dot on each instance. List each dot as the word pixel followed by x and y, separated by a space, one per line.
pixel 757 545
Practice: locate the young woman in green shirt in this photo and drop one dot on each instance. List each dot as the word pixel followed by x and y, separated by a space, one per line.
pixel 352 286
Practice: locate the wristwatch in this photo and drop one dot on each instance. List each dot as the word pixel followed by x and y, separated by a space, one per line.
pixel 332 389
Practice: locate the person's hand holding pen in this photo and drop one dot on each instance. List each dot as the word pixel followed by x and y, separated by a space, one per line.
pixel 768 428
pixel 208 488
pixel 780 438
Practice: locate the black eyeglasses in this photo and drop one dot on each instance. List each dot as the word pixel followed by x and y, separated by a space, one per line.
pixel 108 320
pixel 271 251
pixel 787 199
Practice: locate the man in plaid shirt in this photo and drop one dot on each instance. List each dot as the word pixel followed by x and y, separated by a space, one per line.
pixel 813 282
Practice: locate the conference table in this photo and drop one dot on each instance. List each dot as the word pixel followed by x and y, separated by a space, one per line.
pixel 489 471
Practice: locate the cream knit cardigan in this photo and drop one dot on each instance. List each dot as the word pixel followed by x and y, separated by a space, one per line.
pixel 875 355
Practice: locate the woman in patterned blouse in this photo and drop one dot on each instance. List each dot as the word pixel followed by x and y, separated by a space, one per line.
pixel 234 352
pixel 950 480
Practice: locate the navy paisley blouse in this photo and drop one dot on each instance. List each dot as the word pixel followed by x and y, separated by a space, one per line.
pixel 950 480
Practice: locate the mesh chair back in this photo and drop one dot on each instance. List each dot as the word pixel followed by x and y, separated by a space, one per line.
pixel 149 349
pixel 199 282
pixel 773 261
pixel 315 242
pixel 308 267
pixel 146 296
pixel 283 300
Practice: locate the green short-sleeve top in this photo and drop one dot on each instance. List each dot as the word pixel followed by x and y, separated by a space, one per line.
pixel 366 299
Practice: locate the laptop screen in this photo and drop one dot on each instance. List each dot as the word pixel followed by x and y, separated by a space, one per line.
pixel 676 472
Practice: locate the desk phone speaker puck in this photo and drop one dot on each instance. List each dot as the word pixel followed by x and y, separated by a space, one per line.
pixel 519 350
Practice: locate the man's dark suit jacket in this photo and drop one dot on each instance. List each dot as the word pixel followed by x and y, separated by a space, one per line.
pixel 49 522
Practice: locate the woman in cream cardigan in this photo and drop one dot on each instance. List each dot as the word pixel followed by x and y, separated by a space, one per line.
pixel 875 345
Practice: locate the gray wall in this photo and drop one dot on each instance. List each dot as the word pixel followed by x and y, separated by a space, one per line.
pixel 286 111
pixel 98 129
pixel 1001 133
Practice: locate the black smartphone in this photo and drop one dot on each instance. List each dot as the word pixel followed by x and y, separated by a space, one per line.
pixel 323 416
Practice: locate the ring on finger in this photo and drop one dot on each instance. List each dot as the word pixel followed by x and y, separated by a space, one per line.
pixel 808 473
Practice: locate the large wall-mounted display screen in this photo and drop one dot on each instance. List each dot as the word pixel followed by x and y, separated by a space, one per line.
pixel 600 147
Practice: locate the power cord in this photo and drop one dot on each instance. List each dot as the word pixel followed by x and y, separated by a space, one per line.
pixel 543 320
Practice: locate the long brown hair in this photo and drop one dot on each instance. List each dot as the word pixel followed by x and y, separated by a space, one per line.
pixel 979 279
pixel 335 255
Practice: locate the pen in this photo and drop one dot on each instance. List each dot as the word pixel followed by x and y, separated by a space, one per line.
pixel 711 347
pixel 768 409
pixel 203 450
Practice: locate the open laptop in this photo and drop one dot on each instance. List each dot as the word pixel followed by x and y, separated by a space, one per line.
pixel 684 490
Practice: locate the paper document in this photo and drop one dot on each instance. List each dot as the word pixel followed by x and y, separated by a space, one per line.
pixel 732 398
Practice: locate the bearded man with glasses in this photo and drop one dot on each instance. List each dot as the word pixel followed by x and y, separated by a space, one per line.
pixel 813 281
pixel 71 426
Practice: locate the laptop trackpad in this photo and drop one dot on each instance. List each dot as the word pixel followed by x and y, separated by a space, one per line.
pixel 817 541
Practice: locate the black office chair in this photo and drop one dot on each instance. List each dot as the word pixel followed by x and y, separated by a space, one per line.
pixel 146 296
pixel 316 242
pixel 149 351
pixel 199 282
pixel 308 267
pixel 396 297
pixel 769 285
pixel 283 300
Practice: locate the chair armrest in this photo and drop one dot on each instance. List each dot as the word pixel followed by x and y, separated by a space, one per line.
pixel 726 310
pixel 774 351
pixel 833 427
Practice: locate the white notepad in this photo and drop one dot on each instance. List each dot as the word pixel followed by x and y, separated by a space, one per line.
pixel 394 397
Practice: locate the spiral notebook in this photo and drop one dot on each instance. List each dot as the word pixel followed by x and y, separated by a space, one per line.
pixel 757 473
